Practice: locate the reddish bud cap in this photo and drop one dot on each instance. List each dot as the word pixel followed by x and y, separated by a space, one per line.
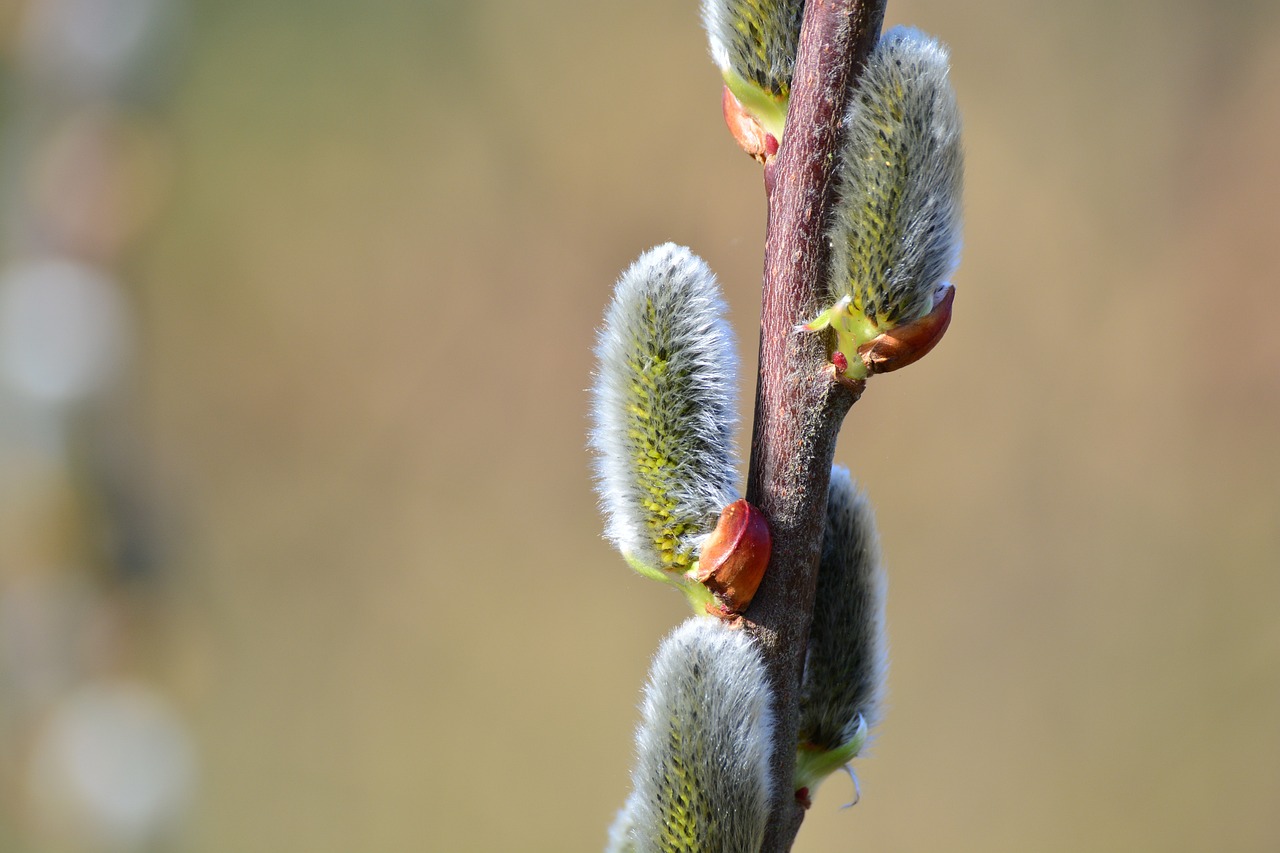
pixel 735 556
pixel 751 137
pixel 908 344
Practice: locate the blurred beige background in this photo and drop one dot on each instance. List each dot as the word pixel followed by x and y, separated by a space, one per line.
pixel 365 320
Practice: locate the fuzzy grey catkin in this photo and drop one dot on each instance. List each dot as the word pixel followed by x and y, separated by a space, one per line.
pixel 701 781
pixel 756 40
pixel 896 222
pixel 847 658
pixel 664 410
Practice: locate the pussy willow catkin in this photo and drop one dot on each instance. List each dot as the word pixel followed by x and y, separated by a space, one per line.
pixel 847 659
pixel 664 410
pixel 895 230
pixel 753 43
pixel 701 781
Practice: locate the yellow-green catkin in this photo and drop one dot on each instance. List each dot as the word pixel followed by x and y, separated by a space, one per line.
pixel 664 411
pixel 896 220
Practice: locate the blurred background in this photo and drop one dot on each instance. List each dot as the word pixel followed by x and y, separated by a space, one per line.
pixel 298 548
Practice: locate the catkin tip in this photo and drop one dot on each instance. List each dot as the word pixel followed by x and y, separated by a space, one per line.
pixel 701 781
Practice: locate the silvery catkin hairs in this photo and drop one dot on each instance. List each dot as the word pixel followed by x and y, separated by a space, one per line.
pixel 620 830
pixel 847 659
pixel 701 781
pixel 664 410
pixel 895 230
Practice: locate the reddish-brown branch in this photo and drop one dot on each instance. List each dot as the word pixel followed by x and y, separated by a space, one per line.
pixel 799 406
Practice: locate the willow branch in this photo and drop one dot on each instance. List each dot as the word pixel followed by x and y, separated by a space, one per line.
pixel 799 405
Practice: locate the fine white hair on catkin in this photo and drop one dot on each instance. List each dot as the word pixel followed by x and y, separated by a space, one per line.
pixel 847 658
pixel 701 781
pixel 755 39
pixel 896 222
pixel 620 830
pixel 664 409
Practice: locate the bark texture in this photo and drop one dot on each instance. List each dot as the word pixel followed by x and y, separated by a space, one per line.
pixel 799 405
